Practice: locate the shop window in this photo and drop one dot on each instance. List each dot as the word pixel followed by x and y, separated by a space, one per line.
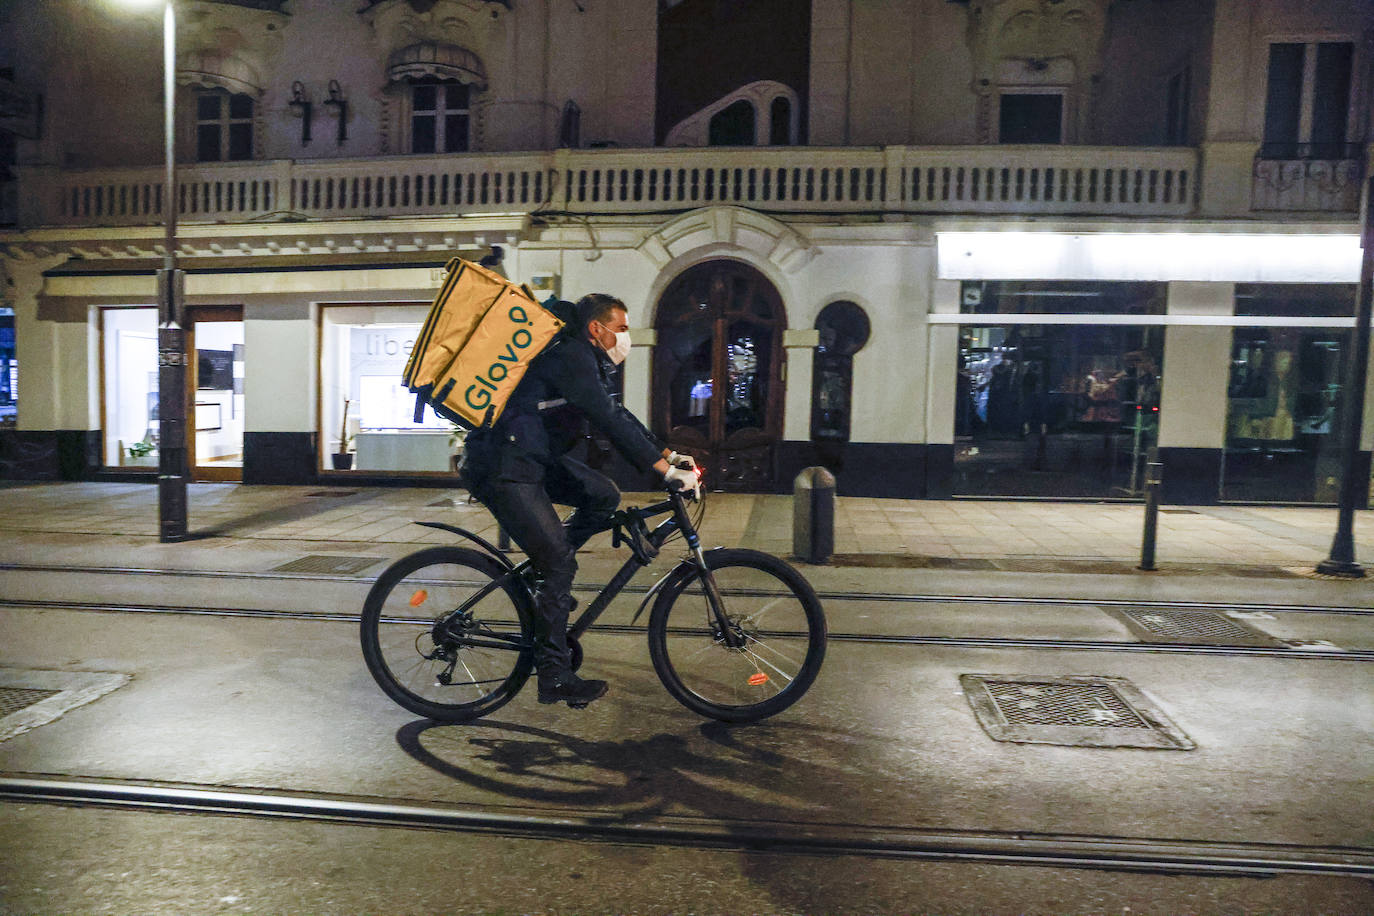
pixel 1062 297
pixel 844 329
pixel 1057 410
pixel 733 125
pixel 224 126
pixel 363 351
pixel 1031 117
pixel 1285 396
pixel 440 116
pixel 9 370
pixel 129 374
pixel 1307 101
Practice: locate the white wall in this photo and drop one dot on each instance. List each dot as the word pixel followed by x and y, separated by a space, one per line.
pixel 1197 367
pixel 280 379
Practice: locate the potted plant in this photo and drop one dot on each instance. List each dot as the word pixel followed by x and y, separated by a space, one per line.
pixel 343 458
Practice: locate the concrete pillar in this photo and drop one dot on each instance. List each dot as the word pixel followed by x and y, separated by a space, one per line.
pixel 281 366
pixel 1192 410
pixel 942 364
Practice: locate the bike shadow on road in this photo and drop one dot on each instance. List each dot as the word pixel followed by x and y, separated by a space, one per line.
pixel 772 771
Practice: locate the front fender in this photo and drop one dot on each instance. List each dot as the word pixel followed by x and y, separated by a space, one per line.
pixel 673 577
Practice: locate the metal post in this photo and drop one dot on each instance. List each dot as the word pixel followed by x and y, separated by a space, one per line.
pixel 1341 561
pixel 1154 475
pixel 173 467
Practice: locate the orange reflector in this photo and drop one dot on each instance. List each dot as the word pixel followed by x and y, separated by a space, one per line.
pixel 418 598
pixel 758 679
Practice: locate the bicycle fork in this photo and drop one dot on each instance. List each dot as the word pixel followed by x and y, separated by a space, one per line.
pixel 732 638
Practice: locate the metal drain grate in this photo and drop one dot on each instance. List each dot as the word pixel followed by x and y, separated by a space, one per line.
pixel 327 565
pixel 1044 703
pixel 331 494
pixel 1073 711
pixel 1178 626
pixel 13 699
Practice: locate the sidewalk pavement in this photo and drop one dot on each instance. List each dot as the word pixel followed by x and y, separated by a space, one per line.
pixel 957 534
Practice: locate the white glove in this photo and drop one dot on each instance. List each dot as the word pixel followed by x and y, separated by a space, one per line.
pixel 684 481
pixel 679 460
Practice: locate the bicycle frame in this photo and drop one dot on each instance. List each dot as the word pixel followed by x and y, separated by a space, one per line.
pixel 629 526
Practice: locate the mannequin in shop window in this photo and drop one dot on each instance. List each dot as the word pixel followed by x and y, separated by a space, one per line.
pixel 1101 386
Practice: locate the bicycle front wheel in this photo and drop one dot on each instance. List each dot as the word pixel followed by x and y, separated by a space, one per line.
pixel 766 656
pixel 443 638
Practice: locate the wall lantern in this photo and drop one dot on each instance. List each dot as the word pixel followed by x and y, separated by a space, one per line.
pixel 301 103
pixel 340 105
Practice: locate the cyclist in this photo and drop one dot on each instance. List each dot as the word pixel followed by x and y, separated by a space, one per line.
pixel 521 466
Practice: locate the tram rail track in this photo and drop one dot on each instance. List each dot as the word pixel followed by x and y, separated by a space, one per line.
pixel 895 597
pixel 958 642
pixel 1147 854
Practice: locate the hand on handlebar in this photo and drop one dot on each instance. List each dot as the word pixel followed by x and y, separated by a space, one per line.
pixel 679 460
pixel 684 481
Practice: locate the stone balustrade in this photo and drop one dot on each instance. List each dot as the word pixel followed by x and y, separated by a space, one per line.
pixel 1112 181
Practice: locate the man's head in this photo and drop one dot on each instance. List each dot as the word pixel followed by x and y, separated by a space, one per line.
pixel 603 319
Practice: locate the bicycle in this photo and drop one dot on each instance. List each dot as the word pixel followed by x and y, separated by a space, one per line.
pixel 734 634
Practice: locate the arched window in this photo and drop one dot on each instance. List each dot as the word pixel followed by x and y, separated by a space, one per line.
pixel 780 122
pixel 844 329
pixel 733 125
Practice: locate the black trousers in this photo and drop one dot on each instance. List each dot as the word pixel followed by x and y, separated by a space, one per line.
pixel 525 510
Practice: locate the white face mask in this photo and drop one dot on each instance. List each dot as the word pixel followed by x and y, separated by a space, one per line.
pixel 621 349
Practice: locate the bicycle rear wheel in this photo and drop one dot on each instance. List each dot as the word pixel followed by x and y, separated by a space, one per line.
pixel 770 608
pixel 442 639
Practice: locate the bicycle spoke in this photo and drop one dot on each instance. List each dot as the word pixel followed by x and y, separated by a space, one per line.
pixel 758 659
pixel 460 597
pixel 762 675
pixel 794 662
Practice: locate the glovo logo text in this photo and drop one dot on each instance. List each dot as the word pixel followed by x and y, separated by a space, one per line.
pixel 478 394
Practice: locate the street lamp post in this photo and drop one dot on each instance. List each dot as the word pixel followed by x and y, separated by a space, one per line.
pixel 1341 561
pixel 173 465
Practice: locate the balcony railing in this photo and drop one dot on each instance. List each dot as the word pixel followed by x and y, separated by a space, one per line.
pixel 1316 185
pixel 1117 181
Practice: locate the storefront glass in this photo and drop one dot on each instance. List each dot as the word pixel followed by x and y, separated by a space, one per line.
pixel 129 354
pixel 363 352
pixel 218 409
pixel 9 370
pixel 1285 397
pixel 1057 410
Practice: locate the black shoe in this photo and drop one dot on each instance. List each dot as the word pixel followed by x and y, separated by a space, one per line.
pixel 571 689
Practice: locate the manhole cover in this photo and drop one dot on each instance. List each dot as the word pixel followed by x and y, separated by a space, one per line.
pixel 327 565
pixel 331 494
pixel 13 699
pixel 30 698
pixel 1074 711
pixel 1160 625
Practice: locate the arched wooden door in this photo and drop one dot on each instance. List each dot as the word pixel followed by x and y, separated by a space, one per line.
pixel 717 376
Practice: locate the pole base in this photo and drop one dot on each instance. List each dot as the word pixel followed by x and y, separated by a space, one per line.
pixel 1351 570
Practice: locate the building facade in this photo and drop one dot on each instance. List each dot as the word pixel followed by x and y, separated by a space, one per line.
pixel 995 247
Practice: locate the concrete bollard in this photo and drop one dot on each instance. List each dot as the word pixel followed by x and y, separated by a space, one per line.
pixel 813 515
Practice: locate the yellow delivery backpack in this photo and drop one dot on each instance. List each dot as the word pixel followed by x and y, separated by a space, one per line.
pixel 480 336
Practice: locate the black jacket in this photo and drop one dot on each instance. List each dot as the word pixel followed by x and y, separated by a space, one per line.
pixel 566 388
